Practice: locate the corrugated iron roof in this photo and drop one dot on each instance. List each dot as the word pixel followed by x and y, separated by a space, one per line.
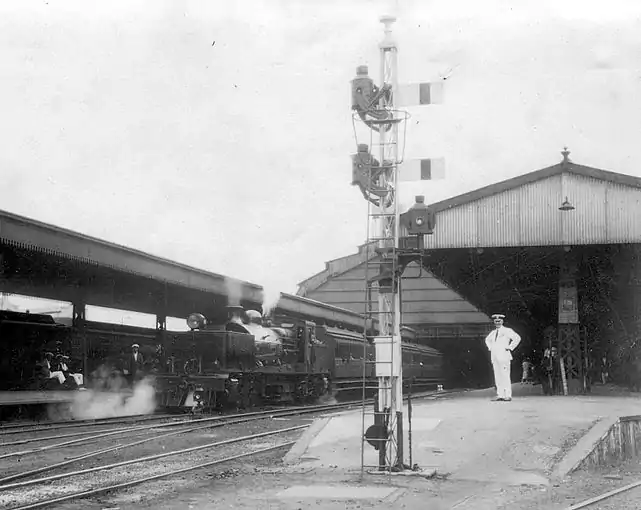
pixel 565 166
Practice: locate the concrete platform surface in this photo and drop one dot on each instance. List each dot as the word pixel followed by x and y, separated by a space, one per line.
pixel 338 492
pixel 469 438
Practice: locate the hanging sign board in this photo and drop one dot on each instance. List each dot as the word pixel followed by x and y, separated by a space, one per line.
pixel 388 356
pixel 568 302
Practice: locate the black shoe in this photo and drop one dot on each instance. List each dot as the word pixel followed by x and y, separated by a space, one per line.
pixel 507 400
pixel 498 399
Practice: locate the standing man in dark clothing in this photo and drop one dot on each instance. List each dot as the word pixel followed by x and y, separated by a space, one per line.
pixel 551 372
pixel 135 363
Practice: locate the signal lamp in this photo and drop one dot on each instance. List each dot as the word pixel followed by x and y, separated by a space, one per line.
pixel 420 219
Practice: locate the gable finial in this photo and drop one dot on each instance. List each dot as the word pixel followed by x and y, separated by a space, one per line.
pixel 566 155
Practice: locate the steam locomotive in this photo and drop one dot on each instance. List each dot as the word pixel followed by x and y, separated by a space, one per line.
pixel 252 359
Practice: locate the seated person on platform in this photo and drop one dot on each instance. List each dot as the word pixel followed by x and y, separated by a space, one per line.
pixel 73 380
pixel 50 370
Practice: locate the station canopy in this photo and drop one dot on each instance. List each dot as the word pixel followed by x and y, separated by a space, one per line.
pixel 502 247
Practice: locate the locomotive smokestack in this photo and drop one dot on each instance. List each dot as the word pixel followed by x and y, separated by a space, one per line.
pixel 235 313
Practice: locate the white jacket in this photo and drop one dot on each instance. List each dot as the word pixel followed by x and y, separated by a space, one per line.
pixel 501 342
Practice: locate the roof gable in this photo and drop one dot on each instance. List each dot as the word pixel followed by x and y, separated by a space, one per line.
pixel 566 166
pixel 526 211
pixel 426 298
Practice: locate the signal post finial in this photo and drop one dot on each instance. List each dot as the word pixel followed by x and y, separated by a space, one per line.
pixel 388 41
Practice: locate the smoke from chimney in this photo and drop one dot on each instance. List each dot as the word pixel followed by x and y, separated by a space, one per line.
pixel 271 296
pixel 234 291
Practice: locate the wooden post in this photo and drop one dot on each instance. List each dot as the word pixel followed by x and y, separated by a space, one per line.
pixel 568 318
pixel 79 336
pixel 563 376
pixel 409 424
pixel 399 438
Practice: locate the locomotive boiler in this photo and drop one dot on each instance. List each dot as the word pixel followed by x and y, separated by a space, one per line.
pixel 273 345
pixel 253 359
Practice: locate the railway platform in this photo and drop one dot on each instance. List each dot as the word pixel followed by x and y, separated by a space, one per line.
pixel 474 453
pixel 468 435
pixel 25 397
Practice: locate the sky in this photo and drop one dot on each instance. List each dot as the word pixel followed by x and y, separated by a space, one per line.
pixel 219 134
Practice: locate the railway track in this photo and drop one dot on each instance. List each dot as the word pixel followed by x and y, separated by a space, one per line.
pixel 170 420
pixel 92 486
pixel 19 428
pixel 615 499
pixel 182 426
pixel 15 428
pixel 96 477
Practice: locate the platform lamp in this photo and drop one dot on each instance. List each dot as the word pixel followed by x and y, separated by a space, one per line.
pixel 566 205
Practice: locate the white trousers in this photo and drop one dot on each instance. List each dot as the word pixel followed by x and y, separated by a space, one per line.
pixel 58 375
pixel 502 378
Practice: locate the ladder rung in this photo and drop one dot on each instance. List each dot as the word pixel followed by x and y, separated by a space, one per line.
pixel 386 142
pixel 381 214
pixel 384 440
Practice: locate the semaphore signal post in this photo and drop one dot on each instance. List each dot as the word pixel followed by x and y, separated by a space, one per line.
pixel 380 127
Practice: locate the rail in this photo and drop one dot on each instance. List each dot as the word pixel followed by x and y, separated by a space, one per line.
pixel 606 495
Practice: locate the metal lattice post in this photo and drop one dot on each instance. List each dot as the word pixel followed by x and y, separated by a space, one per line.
pixel 389 304
pixel 375 170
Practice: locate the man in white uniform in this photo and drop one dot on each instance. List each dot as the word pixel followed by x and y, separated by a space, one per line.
pixel 501 342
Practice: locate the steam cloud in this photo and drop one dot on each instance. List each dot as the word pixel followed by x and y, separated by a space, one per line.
pixel 109 397
pixel 271 296
pixel 234 291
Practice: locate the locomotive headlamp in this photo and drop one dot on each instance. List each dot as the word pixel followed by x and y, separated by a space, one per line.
pixel 196 321
pixel 199 393
pixel 419 221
